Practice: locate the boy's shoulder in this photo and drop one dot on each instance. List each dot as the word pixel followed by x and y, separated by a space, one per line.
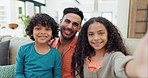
pixel 54 49
pixel 27 45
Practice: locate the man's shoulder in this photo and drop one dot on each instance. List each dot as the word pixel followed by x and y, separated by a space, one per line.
pixel 53 42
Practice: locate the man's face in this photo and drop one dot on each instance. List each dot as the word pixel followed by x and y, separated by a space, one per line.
pixel 70 25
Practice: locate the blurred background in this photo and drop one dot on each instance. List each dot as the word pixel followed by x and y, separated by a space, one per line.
pixel 130 16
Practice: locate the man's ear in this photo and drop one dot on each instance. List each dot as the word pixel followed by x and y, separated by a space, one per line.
pixel 60 21
pixel 79 28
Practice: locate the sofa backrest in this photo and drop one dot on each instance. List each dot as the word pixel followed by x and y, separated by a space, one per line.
pixel 15 43
pixel 131 44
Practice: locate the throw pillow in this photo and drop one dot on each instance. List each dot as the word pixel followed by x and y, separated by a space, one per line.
pixel 4 52
pixel 7 71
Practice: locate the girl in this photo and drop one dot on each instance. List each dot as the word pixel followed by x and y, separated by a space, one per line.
pixel 38 59
pixel 100 52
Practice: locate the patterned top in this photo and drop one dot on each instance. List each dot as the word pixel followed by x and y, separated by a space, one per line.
pixel 92 66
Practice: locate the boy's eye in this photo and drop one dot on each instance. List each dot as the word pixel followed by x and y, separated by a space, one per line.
pixel 37 28
pixel 48 29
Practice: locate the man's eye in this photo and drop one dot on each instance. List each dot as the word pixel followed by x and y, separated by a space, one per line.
pixel 76 24
pixel 67 21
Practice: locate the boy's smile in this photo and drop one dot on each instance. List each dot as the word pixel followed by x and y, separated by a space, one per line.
pixel 42 34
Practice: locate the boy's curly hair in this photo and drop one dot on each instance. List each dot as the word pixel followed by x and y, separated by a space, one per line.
pixel 44 20
pixel 84 49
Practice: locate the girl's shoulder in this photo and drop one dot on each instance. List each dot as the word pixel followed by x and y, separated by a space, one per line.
pixel 114 55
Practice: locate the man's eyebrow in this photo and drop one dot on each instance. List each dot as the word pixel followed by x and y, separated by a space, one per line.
pixel 76 23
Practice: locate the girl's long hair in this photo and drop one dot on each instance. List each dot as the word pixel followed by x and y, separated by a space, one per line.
pixel 84 49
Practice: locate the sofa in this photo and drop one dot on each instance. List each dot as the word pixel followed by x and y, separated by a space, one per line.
pixel 8 51
pixel 13 43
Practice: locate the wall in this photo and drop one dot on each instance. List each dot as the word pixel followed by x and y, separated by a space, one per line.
pixel 122 16
pixel 120 9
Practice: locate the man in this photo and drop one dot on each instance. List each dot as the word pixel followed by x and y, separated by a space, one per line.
pixel 69 26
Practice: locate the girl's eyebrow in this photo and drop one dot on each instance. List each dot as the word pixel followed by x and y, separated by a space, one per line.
pixel 101 30
pixel 97 31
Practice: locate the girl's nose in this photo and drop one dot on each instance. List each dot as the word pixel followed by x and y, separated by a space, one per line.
pixel 96 37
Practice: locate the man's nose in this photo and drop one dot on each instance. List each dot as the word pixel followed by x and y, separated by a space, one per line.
pixel 69 26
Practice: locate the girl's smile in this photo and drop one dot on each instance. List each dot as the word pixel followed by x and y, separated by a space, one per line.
pixel 97 35
pixel 97 44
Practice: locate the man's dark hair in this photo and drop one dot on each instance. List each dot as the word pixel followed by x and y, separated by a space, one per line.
pixel 73 10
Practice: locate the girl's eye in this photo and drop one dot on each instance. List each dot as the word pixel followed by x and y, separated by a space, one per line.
pixel 101 33
pixel 90 34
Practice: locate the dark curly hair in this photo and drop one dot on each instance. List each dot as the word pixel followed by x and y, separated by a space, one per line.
pixel 44 20
pixel 73 10
pixel 84 49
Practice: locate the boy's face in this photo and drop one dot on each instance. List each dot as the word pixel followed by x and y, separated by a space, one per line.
pixel 70 25
pixel 42 34
pixel 97 35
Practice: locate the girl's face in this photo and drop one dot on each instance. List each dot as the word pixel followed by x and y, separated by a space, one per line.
pixel 42 34
pixel 97 35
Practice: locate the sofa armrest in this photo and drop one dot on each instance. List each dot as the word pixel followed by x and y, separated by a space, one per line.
pixel 7 71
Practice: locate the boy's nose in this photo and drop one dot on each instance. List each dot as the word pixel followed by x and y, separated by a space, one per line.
pixel 43 31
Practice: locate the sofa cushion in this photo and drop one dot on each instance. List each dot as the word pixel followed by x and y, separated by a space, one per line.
pixel 4 52
pixel 131 44
pixel 7 71
pixel 15 43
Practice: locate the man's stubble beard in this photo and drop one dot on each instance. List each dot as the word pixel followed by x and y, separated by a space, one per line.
pixel 68 38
